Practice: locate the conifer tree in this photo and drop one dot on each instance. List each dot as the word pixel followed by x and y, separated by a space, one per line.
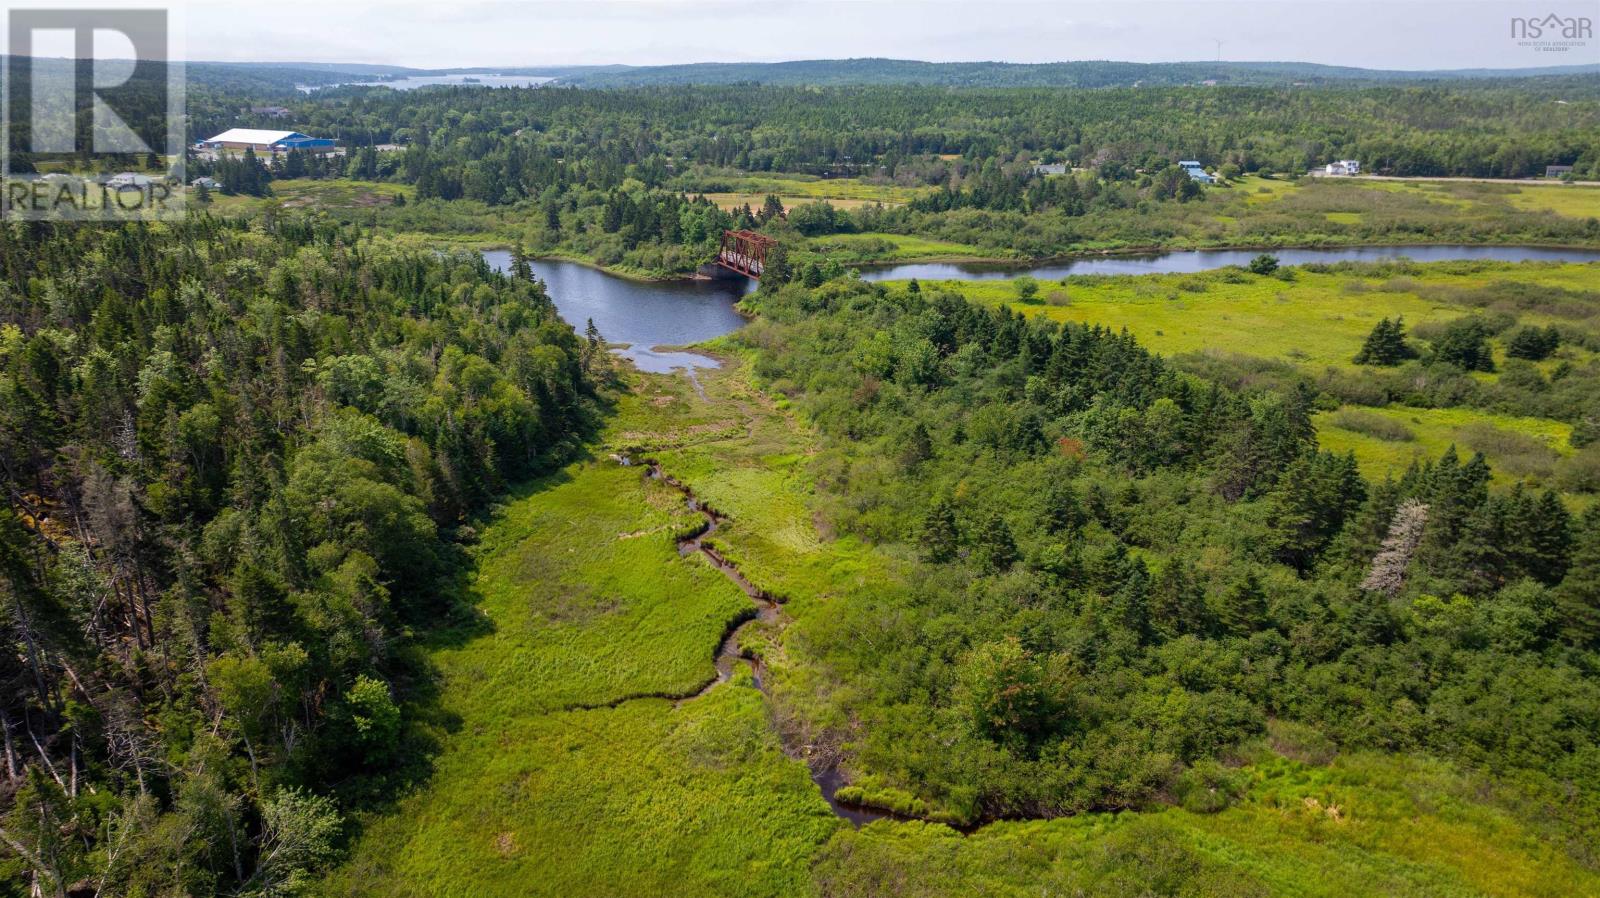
pixel 1386 345
pixel 1242 607
pixel 1578 596
pixel 940 538
pixel 1177 602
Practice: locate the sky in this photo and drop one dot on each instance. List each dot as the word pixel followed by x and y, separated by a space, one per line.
pixel 1404 34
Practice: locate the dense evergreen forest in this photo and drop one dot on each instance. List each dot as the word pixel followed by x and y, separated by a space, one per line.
pixel 238 465
pixel 1128 569
pixel 248 458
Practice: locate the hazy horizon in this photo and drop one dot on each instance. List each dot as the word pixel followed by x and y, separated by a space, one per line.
pixel 1410 35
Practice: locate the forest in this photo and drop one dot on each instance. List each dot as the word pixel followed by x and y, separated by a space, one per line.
pixel 238 467
pixel 335 562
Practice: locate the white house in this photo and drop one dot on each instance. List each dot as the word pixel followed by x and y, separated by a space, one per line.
pixel 207 183
pixel 129 179
pixel 1196 171
pixel 1343 167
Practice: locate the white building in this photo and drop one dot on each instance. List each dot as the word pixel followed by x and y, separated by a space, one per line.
pixel 1343 167
pixel 1196 171
pixel 129 179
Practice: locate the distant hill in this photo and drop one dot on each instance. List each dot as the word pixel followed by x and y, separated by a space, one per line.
pixel 1087 74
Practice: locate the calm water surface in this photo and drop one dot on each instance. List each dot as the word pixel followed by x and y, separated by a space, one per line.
pixel 415 81
pixel 1206 260
pixel 642 315
pixel 681 313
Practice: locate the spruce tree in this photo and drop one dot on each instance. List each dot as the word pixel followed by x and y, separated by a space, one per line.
pixel 994 548
pixel 940 537
pixel 1177 602
pixel 1386 345
pixel 1242 607
pixel 1578 596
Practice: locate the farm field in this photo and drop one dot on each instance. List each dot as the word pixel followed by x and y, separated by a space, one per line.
pixel 880 248
pixel 730 201
pixel 307 193
pixel 1581 200
pixel 811 189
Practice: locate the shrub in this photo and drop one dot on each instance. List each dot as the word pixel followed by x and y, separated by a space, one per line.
pixel 1533 343
pixel 1373 425
pixel 1465 344
pixel 1580 473
pixel 1209 787
pixel 1513 452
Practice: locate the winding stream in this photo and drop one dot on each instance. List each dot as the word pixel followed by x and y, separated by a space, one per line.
pixel 765 611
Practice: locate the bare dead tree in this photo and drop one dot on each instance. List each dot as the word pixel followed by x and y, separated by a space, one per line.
pixel 1388 572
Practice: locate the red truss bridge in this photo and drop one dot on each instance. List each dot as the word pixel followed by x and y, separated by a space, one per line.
pixel 745 252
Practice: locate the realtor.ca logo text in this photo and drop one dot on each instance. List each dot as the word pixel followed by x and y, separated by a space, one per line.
pixel 1552 33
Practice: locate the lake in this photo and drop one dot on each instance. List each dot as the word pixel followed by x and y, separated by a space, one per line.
pixel 1208 259
pixel 642 314
pixel 646 315
pixel 415 81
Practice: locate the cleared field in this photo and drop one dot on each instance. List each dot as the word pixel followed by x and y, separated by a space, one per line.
pixel 1388 440
pixel 301 193
pixel 848 248
pixel 1571 200
pixel 730 201
pixel 1476 198
pixel 802 189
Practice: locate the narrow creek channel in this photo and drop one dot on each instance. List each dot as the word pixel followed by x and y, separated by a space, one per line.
pixel 766 610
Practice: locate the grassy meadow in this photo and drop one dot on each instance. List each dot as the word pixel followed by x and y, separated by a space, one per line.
pixel 585 600
pixel 1387 440
pixel 1315 320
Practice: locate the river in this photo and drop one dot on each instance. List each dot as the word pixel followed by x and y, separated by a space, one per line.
pixel 643 315
pixel 1208 259
pixel 647 315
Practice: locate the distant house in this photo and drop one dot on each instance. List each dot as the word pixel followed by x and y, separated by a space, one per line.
pixel 1051 168
pixel 1196 171
pixel 207 183
pixel 270 111
pixel 129 179
pixel 241 139
pixel 1343 167
pixel 1557 171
